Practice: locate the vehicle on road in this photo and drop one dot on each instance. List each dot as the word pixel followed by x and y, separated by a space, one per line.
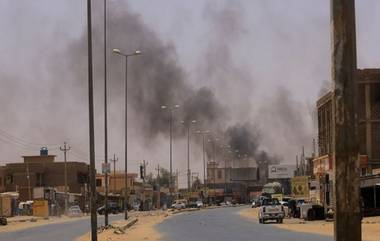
pixel 112 208
pixel 271 209
pixel 254 204
pixel 74 211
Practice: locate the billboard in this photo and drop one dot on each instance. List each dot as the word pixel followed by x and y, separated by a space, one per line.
pixel 300 187
pixel 281 171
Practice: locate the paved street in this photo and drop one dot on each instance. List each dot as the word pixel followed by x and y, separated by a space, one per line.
pixel 225 224
pixel 55 232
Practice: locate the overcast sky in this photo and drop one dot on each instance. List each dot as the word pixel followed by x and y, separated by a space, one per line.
pixel 277 48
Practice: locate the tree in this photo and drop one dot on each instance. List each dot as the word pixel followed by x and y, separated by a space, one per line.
pixel 164 178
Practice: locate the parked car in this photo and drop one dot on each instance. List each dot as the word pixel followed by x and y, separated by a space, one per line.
pixel 286 208
pixel 112 208
pixel 3 220
pixel 271 209
pixel 74 211
pixel 178 204
pixel 199 204
pixel 294 207
pixel 254 204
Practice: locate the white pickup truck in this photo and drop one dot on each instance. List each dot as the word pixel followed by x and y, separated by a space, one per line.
pixel 271 209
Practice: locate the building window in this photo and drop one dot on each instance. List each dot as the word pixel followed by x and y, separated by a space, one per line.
pixel 219 174
pixel 82 177
pixel 9 179
pixel 98 182
pixel 40 182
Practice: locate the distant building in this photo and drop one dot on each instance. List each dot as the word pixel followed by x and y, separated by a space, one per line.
pixel 2 179
pixel 235 181
pixel 116 182
pixel 43 171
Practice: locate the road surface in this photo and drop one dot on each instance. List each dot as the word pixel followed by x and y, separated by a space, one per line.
pixel 67 231
pixel 225 224
pixel 222 224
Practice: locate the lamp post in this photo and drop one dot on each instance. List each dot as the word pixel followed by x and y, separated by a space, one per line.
pixel 137 52
pixel 170 109
pixel 213 165
pixel 203 133
pixel 188 152
pixel 105 116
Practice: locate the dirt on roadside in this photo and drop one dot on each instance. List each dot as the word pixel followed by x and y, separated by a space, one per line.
pixel 370 226
pixel 141 231
pixel 19 223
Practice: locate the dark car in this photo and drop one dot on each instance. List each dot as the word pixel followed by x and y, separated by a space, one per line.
pixel 112 208
pixel 3 220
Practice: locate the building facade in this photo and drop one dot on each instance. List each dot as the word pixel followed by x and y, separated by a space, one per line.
pixel 229 181
pixel 43 171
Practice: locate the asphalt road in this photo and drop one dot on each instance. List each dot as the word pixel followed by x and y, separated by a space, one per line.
pixel 68 231
pixel 225 224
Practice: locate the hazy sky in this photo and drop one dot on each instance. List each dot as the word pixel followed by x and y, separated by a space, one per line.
pixel 276 50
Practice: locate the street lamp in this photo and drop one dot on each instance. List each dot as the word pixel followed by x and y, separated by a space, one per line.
pixel 170 109
pixel 118 52
pixel 203 133
pixel 188 151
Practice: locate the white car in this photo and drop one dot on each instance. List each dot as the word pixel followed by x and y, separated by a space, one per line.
pixel 74 211
pixel 271 209
pixel 178 205
pixel 199 204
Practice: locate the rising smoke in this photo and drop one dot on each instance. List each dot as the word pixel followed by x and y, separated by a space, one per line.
pixel 221 103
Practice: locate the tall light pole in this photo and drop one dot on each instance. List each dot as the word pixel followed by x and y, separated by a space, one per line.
pixel 188 123
pixel 137 52
pixel 203 133
pixel 171 109
pixel 105 116
pixel 94 235
pixel 213 141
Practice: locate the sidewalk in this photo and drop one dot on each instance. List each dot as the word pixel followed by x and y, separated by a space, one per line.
pixel 370 225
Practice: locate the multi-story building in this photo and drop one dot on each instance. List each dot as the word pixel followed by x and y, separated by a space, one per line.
pixel 368 108
pixel 235 181
pixel 43 171
pixel 368 124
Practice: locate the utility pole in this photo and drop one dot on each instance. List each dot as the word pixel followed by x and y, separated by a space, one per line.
pixel 177 180
pixel 204 168
pixel 303 161
pixel 114 160
pixel 105 115
pixel 158 187
pixel 144 175
pixel 347 225
pixel 28 177
pixel 94 225
pixel 65 149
